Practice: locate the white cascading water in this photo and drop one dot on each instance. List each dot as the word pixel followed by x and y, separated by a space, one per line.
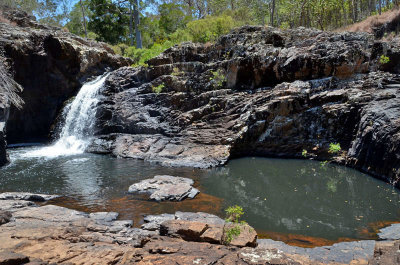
pixel 79 123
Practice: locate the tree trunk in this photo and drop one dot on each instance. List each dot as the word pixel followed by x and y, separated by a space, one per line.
pixel 355 10
pixel 136 15
pixel 84 18
pixel 380 6
pixel 130 24
pixel 272 12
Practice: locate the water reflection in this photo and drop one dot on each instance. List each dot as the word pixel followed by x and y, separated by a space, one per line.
pixel 280 197
pixel 303 197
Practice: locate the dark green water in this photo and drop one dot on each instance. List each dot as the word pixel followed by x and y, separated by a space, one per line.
pixel 279 196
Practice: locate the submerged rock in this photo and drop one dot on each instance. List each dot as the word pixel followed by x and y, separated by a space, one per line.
pixel 166 188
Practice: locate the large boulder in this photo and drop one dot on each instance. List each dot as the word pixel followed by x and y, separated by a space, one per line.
pixel 166 188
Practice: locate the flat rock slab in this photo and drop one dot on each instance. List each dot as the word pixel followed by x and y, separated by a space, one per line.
pixel 153 222
pixel 339 253
pixel 26 196
pixel 11 258
pixel 391 232
pixel 166 188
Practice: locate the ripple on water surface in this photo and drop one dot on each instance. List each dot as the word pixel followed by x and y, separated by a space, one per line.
pixel 297 201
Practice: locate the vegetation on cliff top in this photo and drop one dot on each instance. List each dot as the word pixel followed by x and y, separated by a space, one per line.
pixel 130 25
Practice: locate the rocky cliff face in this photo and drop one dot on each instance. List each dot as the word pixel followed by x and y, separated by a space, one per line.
pixel 259 91
pixel 50 65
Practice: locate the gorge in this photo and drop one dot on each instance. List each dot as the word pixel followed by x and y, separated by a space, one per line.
pixel 210 112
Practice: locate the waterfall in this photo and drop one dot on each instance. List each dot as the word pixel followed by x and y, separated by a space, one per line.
pixel 79 123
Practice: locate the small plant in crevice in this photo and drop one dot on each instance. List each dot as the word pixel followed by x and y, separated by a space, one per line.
pixel 384 59
pixel 233 215
pixel 176 72
pixel 334 148
pixel 323 163
pixel 158 89
pixel 304 153
pixel 231 234
pixel 218 78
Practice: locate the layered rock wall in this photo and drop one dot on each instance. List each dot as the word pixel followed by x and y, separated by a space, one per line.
pixel 259 91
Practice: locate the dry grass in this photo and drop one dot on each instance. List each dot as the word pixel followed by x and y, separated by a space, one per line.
pixel 5 20
pixel 369 23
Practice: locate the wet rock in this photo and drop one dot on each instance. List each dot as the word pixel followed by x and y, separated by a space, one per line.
pixel 26 196
pixel 11 258
pixel 166 188
pixel 5 217
pixel 391 232
pixel 50 64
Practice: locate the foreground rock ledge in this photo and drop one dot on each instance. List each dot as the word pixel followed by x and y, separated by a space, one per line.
pixel 166 188
pixel 53 234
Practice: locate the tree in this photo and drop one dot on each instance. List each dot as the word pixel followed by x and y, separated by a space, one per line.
pixel 83 17
pixel 172 17
pixel 108 21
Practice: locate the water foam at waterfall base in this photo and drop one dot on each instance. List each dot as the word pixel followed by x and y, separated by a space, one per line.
pixel 79 123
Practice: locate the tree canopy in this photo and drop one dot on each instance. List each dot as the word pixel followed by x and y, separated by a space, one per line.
pixel 158 24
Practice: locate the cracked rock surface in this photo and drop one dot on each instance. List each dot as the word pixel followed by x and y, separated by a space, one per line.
pixel 166 188
pixel 55 235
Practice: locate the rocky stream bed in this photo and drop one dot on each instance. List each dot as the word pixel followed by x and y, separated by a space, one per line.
pixel 46 234
pixel 256 91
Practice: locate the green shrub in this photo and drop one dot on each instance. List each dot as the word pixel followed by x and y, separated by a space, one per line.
pixel 304 153
pixel 334 148
pixel 158 89
pixel 231 234
pixel 234 213
pixel 324 163
pixel 140 56
pixel 179 36
pixel 176 71
pixel 384 59
pixel 120 48
pixel 218 77
pixel 210 28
